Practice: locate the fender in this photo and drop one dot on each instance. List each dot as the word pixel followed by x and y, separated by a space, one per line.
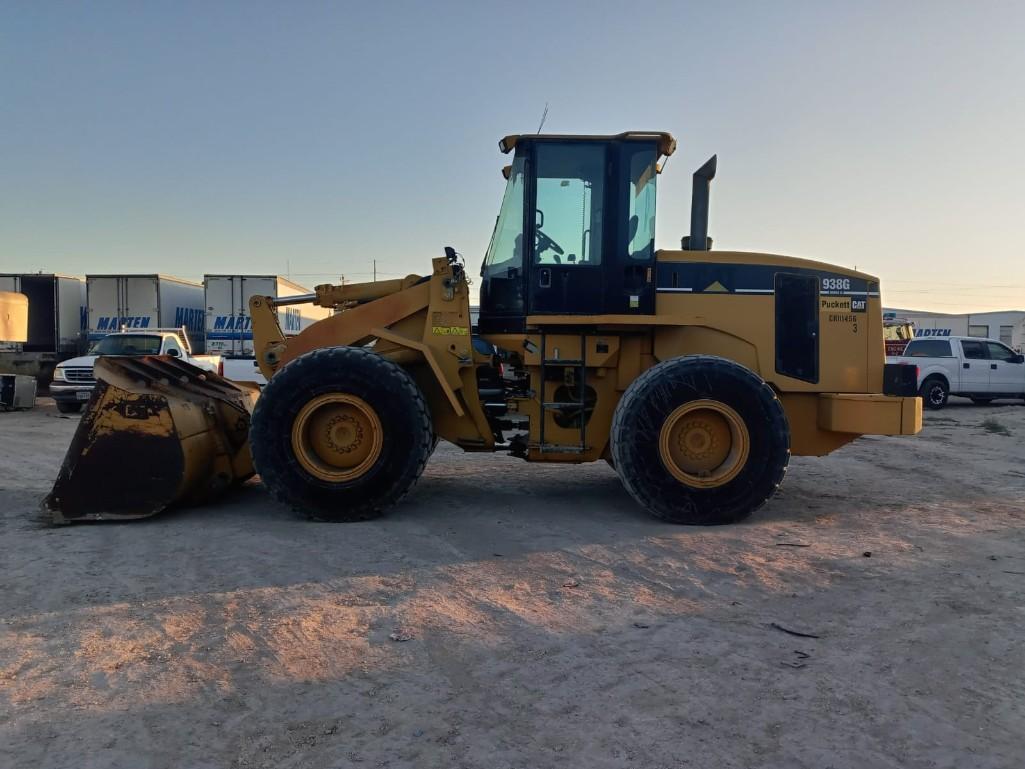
pixel 934 372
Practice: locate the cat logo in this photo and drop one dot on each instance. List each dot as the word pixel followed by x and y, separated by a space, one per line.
pixel 858 305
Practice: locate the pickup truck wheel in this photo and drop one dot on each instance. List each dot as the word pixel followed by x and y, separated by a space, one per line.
pixel 700 440
pixel 982 401
pixel 934 392
pixel 69 407
pixel 340 434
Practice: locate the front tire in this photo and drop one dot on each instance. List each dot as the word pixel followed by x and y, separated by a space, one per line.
pixel 341 434
pixel 700 440
pixel 69 407
pixel 934 392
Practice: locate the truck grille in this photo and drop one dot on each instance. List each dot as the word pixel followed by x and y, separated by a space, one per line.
pixel 80 375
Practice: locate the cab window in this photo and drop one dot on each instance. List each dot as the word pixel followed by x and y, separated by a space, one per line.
pixel 974 350
pixel 127 344
pixel 502 289
pixel 641 208
pixel 928 348
pixel 170 343
pixel 506 248
pixel 570 201
pixel 999 352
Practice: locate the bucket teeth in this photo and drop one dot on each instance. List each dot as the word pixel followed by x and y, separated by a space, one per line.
pixel 157 431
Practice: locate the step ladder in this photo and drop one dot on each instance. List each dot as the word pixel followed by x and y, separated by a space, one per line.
pixel 580 365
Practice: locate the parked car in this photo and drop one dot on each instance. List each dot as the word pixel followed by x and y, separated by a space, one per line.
pixel 73 379
pixel 981 369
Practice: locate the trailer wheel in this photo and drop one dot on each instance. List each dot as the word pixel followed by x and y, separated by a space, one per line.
pixel 934 392
pixel 340 434
pixel 700 440
pixel 68 407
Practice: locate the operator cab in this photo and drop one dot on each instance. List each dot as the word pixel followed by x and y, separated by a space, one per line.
pixel 576 231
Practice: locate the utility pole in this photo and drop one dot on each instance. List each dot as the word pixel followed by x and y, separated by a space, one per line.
pixel 375 271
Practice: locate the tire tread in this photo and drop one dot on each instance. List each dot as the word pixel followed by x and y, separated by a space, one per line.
pixel 623 428
pixel 310 367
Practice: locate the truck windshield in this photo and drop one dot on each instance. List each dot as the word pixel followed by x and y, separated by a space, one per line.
pixel 127 344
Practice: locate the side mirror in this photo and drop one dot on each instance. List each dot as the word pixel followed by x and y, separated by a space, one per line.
pixel 1019 358
pixel 173 352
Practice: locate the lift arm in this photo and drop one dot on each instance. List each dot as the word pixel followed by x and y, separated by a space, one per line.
pixel 422 323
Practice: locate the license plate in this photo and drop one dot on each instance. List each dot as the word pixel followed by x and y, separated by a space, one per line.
pixel 83 395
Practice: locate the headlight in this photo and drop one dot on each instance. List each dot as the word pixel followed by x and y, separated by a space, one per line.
pixel 59 375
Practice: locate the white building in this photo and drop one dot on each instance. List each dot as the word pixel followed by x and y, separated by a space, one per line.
pixel 1008 326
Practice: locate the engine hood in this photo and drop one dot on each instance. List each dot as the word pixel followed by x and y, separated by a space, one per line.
pixel 82 361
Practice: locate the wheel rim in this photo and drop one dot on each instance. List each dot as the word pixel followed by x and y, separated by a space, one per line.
pixel 936 395
pixel 337 437
pixel 704 443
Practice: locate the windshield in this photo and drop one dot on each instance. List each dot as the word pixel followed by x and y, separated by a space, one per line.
pixel 127 344
pixel 502 288
pixel 506 249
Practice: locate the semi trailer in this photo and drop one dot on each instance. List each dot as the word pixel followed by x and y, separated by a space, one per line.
pixel 56 322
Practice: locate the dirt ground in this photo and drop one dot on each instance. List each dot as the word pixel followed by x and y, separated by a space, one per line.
pixel 543 619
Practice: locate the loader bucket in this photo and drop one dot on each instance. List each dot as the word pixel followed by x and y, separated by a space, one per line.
pixel 157 432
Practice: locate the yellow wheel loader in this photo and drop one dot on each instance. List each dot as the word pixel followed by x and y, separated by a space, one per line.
pixel 694 373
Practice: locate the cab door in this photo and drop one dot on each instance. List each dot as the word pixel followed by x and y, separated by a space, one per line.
pixel 974 367
pixel 1006 371
pixel 629 284
pixel 567 228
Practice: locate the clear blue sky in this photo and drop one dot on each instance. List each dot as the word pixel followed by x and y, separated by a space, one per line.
pixel 192 137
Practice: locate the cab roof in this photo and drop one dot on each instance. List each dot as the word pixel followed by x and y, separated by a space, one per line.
pixel 666 142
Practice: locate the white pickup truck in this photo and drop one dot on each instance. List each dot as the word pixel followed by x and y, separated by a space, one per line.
pixel 981 369
pixel 242 370
pixel 73 379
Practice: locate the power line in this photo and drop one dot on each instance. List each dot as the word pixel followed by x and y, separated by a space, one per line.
pixel 962 304
pixel 347 272
pixel 971 297
pixel 976 286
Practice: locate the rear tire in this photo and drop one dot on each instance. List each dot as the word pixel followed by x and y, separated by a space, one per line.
pixel 369 408
pixel 68 407
pixel 700 440
pixel 934 392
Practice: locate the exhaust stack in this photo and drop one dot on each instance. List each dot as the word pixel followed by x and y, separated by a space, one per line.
pixel 698 239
